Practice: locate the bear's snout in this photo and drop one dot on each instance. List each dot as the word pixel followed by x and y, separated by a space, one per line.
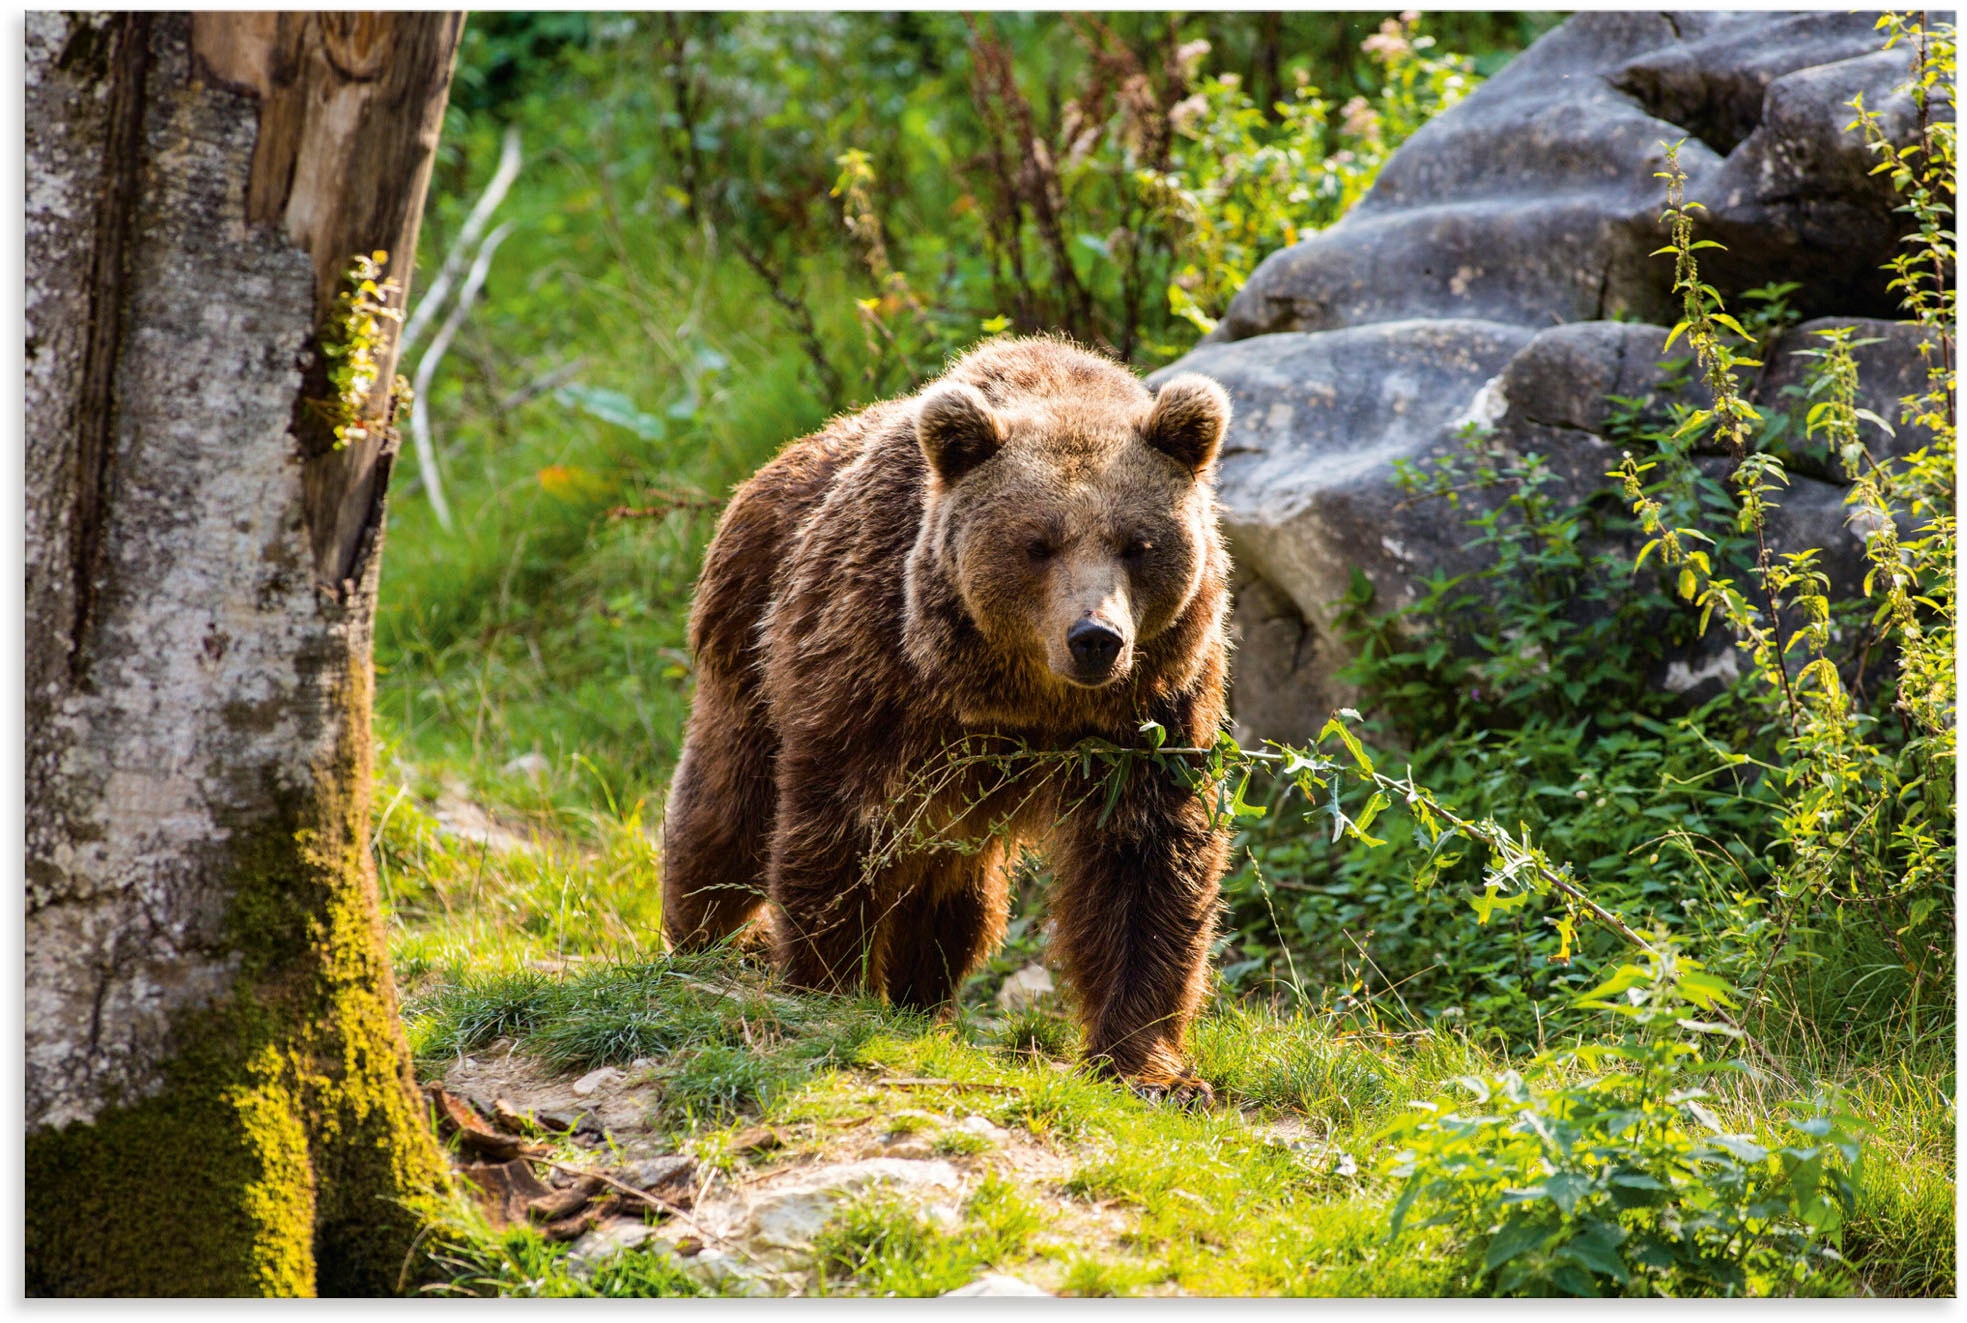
pixel 1095 647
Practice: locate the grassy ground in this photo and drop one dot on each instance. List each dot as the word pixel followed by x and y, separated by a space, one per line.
pixel 1283 1190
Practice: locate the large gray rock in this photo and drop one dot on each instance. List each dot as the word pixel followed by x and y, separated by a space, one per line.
pixel 1320 422
pixel 1536 199
pixel 1500 276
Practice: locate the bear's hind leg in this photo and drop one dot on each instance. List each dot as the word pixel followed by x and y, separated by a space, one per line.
pixel 828 906
pixel 937 935
pixel 717 825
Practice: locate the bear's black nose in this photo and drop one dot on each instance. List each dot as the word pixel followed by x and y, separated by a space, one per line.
pixel 1094 646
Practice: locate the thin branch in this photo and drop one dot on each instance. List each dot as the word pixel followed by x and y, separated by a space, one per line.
pixel 467 240
pixel 427 367
pixel 540 385
pixel 802 318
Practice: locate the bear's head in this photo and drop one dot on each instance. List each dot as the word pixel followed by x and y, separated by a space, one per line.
pixel 1073 516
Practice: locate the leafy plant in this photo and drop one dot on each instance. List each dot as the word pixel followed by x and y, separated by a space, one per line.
pixel 358 334
pixel 1607 1169
pixel 1131 215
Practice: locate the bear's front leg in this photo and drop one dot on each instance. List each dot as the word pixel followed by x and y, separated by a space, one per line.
pixel 1133 913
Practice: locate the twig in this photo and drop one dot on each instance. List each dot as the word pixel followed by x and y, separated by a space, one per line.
pixel 912 1082
pixel 623 1187
pixel 427 367
pixel 1477 485
pixel 802 317
pixel 474 225
pixel 540 385
pixel 665 503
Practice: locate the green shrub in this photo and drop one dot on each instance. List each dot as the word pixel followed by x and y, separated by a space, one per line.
pixel 1606 1170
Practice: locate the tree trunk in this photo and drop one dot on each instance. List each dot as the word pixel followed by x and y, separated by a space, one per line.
pixel 219 1098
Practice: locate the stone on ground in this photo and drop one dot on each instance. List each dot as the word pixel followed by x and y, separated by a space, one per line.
pixel 996 1283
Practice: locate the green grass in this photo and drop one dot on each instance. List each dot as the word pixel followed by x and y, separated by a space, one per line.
pixel 1219 1203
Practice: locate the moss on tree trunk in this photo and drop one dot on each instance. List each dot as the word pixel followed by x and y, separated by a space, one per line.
pixel 278 1154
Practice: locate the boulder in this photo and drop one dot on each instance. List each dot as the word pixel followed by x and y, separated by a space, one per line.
pixel 1500 276
pixel 1536 199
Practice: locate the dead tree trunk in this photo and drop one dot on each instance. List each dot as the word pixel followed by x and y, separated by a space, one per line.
pixel 219 1099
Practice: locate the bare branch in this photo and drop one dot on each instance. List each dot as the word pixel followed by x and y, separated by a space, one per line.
pixel 474 225
pixel 427 367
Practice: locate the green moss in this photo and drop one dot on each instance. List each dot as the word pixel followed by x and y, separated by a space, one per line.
pixel 192 1191
pixel 281 1151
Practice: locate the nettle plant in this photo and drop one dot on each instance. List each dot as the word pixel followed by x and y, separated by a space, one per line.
pixel 1815 793
pixel 1866 815
pixel 1241 184
pixel 1606 1169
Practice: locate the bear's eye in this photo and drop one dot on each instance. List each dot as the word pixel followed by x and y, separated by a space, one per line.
pixel 1038 549
pixel 1136 549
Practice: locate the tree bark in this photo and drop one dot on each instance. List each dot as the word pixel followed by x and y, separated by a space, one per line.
pixel 218 1094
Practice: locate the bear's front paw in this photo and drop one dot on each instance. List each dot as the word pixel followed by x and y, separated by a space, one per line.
pixel 1191 1093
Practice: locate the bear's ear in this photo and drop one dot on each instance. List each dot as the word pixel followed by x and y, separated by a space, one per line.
pixel 956 429
pixel 1188 420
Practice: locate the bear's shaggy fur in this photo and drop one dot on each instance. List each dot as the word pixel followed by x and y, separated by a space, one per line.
pixel 1028 548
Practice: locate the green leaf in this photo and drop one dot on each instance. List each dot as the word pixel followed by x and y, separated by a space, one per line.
pixel 1638 1180
pixel 1116 782
pixel 1742 1147
pixel 1402 1206
pixel 1597 1249
pixel 1575 1280
pixel 611 406
pixel 1625 976
pixel 1490 901
pixel 1705 990
pixel 1652 1252
pixel 1517 1236
pixel 1566 1188
pixel 1351 742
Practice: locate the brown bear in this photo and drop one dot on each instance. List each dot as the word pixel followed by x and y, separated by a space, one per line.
pixel 1025 551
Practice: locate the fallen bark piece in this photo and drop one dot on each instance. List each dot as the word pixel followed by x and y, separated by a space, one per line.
pixel 568 1228
pixel 505 1190
pixel 557 1204
pixel 455 1116
pixel 513 1121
